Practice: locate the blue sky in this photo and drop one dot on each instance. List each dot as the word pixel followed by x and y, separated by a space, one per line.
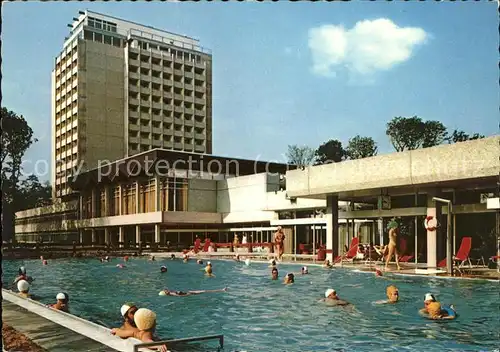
pixel 291 73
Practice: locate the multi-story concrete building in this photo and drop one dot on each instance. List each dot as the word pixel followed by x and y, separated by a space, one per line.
pixel 120 88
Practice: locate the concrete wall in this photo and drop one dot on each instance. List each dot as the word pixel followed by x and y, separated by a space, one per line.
pixel 202 195
pixel 52 209
pixel 244 193
pixel 100 102
pixel 460 161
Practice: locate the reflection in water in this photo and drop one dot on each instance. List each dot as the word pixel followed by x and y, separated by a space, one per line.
pixel 258 314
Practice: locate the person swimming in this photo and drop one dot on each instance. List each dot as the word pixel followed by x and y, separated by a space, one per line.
pixel 185 258
pixel 23 287
pixel 163 269
pixel 331 298
pixel 45 262
pixel 436 312
pixel 127 312
pixel 304 270
pixel 247 262
pixel 392 293
pixel 289 279
pixel 23 276
pixel 121 266
pixel 237 257
pixel 62 303
pixel 199 261
pixel 145 322
pixel 378 272
pixel 152 258
pixel 208 269
pixel 327 264
pixel 167 292
pixel 428 299
pixel 125 259
pixel 274 273
pixel 172 256
pixel 272 263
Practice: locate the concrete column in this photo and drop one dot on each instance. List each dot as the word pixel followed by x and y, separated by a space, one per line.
pixel 81 232
pixel 380 224
pixel 107 236
pixel 94 236
pixel 137 234
pixel 121 235
pixel 106 201
pixel 332 226
pixel 157 194
pixel 120 198
pixel 94 203
pixel 157 233
pixel 434 210
pixel 137 197
pixel 80 206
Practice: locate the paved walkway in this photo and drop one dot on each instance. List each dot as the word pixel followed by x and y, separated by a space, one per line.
pixel 46 333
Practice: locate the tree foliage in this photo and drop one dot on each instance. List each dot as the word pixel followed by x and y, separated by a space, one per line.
pixel 461 136
pixel 361 147
pixel 17 137
pixel 410 133
pixel 302 156
pixel 330 152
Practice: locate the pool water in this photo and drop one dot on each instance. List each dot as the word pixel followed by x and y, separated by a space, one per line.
pixel 258 314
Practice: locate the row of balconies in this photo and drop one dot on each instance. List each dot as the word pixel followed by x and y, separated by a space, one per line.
pixel 165 131
pixel 199 79
pixel 60 79
pixel 67 59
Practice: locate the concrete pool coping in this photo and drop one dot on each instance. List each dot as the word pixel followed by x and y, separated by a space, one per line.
pixel 77 329
pixel 409 269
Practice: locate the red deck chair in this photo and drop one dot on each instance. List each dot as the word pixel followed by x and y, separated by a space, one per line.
pixel 462 255
pixel 406 258
pixel 302 249
pixel 351 253
pixel 402 249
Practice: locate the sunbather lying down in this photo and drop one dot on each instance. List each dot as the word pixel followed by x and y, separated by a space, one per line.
pixel 167 292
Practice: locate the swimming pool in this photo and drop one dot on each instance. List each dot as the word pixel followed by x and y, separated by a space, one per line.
pixel 257 314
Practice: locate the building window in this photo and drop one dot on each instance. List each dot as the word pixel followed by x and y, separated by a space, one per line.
pixel 87 206
pixel 102 203
pixel 128 199
pixel 147 197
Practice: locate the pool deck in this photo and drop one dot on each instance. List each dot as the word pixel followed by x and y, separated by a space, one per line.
pixel 57 331
pixel 45 333
pixel 407 269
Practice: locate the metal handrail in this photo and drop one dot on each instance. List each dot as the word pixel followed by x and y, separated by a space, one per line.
pixel 176 341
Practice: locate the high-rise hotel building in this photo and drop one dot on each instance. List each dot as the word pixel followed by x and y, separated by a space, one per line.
pixel 120 88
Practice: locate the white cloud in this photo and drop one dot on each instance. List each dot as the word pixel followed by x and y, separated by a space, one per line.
pixel 368 47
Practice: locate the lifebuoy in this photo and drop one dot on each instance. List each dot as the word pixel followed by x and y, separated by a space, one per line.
pixel 430 223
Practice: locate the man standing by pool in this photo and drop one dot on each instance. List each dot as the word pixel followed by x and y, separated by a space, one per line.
pixel 279 238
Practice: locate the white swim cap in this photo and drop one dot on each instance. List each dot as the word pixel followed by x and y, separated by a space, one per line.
pixel 124 309
pixel 247 261
pixel 304 268
pixel 61 296
pixel 22 270
pixel 208 263
pixel 429 297
pixel 329 292
pixel 23 285
pixel 162 293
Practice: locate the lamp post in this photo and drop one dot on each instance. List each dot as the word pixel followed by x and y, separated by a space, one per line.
pixel 449 242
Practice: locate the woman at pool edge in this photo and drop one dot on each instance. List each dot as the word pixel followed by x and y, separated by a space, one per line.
pixel 393 249
pixel 167 292
pixel 279 239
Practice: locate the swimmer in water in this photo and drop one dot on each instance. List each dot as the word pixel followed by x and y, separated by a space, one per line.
pixel 428 299
pixel 237 257
pixel 127 311
pixel 23 276
pixel 378 272
pixel 304 270
pixel 392 293
pixel 208 269
pixel 185 258
pixel 327 264
pixel 125 259
pixel 331 298
pixel 163 269
pixel 23 287
pixel 172 256
pixel 274 274
pixel 199 261
pixel 272 263
pixel 44 262
pixel 62 302
pixel 152 258
pixel 167 292
pixel 435 312
pixel 121 266
pixel 145 322
pixel 289 279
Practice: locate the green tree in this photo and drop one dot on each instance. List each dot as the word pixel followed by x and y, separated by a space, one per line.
pixel 410 133
pixel 301 156
pixel 34 193
pixel 460 136
pixel 361 147
pixel 17 137
pixel 330 152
